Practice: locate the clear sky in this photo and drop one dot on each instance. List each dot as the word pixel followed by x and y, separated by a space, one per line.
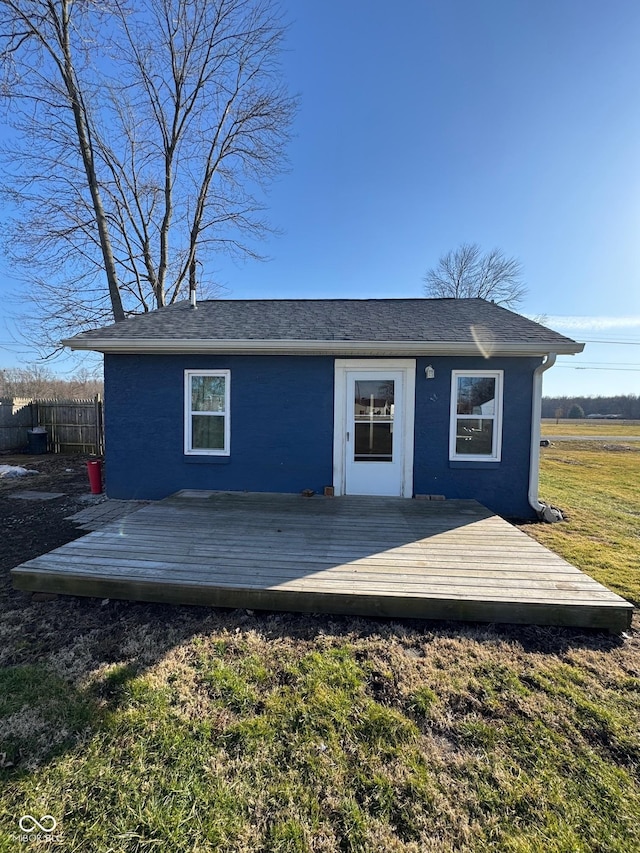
pixel 426 123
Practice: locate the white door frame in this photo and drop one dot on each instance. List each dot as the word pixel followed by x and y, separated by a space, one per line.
pixel 340 415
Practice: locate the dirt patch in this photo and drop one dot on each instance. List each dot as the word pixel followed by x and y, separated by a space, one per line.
pixel 56 473
pixel 29 528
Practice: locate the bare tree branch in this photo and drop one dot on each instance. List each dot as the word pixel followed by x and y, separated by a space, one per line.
pixel 146 134
pixel 467 272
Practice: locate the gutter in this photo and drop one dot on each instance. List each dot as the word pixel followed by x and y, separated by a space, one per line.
pixel 543 510
pixel 317 347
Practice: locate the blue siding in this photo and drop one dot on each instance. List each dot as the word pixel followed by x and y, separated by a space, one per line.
pixel 281 425
pixel 502 486
pixel 282 429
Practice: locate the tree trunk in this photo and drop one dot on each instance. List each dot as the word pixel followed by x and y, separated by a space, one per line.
pixel 86 151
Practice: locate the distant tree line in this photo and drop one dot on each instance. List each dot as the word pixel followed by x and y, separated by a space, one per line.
pixel 625 405
pixel 39 383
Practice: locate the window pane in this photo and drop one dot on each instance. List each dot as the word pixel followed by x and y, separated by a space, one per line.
pixel 207 393
pixel 474 437
pixel 373 442
pixel 476 395
pixel 207 432
pixel 373 400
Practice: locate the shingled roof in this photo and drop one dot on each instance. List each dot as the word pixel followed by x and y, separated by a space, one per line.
pixel 341 326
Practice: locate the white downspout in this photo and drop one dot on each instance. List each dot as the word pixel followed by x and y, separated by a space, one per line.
pixel 542 510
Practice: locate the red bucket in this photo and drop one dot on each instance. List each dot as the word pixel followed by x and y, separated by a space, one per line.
pixel 94 467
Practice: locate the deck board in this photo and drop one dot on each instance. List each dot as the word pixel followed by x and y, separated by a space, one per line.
pixel 361 556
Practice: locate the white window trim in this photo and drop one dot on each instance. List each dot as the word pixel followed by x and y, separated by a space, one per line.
pixel 496 454
pixel 188 449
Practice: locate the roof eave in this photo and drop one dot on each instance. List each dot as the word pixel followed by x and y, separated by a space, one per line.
pixel 321 347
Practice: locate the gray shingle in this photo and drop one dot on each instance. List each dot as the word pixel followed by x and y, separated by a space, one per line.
pixel 425 320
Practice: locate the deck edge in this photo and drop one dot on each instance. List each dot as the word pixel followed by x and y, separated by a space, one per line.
pixel 614 618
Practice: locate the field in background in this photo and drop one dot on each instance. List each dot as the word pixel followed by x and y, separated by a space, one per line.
pixel 569 426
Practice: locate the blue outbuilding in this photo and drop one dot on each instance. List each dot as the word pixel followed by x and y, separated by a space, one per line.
pixel 405 397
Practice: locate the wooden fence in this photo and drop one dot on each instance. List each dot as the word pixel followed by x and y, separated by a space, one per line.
pixel 16 417
pixel 73 426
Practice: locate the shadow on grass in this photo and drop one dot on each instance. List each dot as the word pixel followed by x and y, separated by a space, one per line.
pixel 90 724
pixel 128 638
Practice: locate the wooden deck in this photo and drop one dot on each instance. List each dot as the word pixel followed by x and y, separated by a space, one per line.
pixel 388 557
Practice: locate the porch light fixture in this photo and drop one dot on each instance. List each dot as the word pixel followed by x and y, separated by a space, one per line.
pixel 429 372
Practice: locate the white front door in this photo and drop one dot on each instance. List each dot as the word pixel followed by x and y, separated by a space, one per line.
pixel 377 441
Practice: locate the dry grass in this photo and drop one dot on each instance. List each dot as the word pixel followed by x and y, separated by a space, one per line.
pixel 151 728
pixel 264 733
pixel 597 487
pixel 589 427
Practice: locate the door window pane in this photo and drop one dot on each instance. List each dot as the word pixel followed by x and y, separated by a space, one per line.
pixel 373 442
pixel 374 399
pixel 373 420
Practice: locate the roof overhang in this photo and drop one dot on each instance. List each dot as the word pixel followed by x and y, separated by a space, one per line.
pixel 321 347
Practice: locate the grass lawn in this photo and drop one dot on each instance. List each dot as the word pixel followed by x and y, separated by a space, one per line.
pixel 599 490
pixel 150 728
pixel 586 428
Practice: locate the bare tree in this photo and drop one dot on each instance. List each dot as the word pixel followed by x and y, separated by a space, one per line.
pixel 33 381
pixel 467 272
pixel 145 135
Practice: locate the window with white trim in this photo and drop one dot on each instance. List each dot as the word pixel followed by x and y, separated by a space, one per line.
pixel 476 415
pixel 206 412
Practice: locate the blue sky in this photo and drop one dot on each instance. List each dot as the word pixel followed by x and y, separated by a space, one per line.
pixel 426 123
